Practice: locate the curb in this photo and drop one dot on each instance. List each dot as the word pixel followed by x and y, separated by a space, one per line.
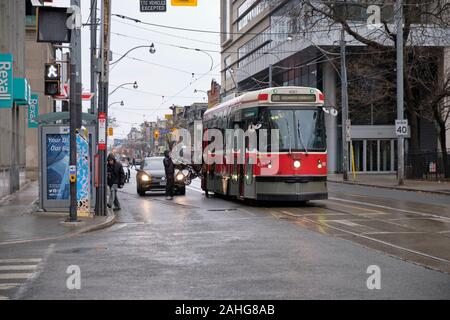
pixel 442 193
pixel 111 220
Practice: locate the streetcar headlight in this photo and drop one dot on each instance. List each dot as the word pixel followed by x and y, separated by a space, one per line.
pixel 269 165
pixel 297 164
pixel 180 177
pixel 145 178
pixel 319 164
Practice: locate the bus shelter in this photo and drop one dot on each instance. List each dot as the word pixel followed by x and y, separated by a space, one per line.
pixel 54 156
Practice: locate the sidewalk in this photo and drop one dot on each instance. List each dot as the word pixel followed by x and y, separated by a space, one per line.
pixel 20 222
pixel 390 182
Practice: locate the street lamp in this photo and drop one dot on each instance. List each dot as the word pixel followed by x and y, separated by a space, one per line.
pixel 121 103
pixel 196 91
pixel 151 47
pixel 135 86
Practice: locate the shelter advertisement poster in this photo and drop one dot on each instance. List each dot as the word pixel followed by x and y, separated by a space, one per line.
pixel 58 183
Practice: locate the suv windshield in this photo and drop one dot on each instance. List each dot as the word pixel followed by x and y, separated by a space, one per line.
pixel 154 164
pixel 299 130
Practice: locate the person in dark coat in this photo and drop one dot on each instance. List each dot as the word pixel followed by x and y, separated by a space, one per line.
pixel 169 168
pixel 115 181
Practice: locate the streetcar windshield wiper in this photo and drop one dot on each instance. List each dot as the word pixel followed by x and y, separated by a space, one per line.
pixel 301 137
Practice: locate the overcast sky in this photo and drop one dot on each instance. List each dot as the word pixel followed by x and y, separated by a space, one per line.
pixel 165 73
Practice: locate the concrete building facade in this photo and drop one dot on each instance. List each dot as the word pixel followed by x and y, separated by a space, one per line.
pixel 13 120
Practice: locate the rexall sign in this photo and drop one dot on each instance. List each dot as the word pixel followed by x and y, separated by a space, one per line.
pixel 6 80
pixel 33 111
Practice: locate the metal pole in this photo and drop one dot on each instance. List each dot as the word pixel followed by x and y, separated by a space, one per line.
pixel 103 103
pixel 400 93
pixel 93 55
pixel 270 75
pixel 75 107
pixel 345 161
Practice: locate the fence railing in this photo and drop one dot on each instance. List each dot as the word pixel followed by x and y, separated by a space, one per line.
pixel 427 165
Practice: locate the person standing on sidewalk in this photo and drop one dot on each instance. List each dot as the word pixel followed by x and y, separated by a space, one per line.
pixel 169 168
pixel 116 180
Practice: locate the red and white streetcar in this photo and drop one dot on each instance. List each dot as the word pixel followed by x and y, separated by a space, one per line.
pixel 300 161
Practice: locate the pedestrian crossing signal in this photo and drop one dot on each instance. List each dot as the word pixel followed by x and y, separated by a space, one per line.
pixel 156 134
pixel 185 3
pixel 52 79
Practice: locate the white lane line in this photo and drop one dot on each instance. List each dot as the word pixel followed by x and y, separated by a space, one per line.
pixel 391 208
pixel 20 260
pixel 16 276
pixel 345 222
pixel 8 286
pixel 4 298
pixel 18 267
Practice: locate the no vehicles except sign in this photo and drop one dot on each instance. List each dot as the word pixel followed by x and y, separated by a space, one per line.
pixel 153 5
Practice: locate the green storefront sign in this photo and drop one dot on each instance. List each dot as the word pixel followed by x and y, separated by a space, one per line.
pixel 22 92
pixel 33 111
pixel 6 80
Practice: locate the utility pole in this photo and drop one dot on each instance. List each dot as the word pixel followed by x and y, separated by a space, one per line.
pixel 400 92
pixel 344 94
pixel 75 107
pixel 93 55
pixel 100 207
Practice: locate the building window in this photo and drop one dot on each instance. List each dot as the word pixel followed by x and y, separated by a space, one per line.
pixel 249 10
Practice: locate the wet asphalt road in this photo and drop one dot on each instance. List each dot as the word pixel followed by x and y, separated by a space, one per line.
pixel 198 248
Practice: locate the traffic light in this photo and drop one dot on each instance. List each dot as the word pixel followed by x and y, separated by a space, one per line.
pixel 52 79
pixel 156 134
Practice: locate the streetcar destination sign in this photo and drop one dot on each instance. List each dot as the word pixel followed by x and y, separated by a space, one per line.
pixel 294 98
pixel 153 5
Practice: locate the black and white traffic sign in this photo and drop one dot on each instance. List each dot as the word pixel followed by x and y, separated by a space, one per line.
pixel 153 5
pixel 401 128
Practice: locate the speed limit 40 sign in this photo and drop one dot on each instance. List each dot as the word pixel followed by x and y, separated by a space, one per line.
pixel 401 128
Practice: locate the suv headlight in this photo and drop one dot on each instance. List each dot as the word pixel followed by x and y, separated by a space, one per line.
pixel 180 177
pixel 145 178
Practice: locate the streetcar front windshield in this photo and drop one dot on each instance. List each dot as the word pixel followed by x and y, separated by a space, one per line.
pixel 299 130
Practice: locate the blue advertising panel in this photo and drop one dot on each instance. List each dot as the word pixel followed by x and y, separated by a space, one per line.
pixel 33 111
pixel 58 154
pixel 6 80
pixel 83 176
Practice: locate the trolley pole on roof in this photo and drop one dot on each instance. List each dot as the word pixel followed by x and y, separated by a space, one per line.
pixel 345 122
pixel 400 93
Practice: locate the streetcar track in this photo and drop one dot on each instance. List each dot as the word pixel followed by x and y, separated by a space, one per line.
pixel 363 236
